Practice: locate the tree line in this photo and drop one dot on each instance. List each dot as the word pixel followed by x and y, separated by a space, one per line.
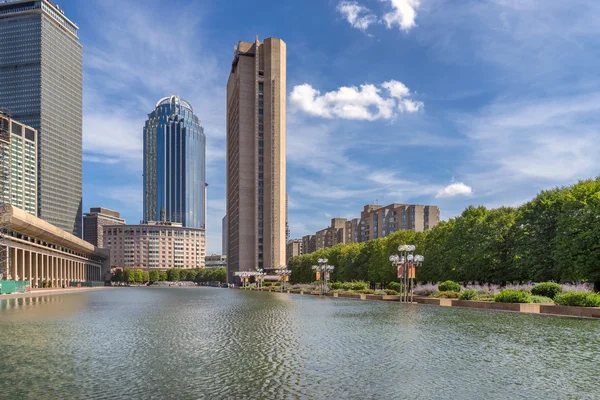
pixel 198 275
pixel 554 237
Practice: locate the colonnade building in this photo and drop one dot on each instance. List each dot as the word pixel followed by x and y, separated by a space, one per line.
pixel 34 250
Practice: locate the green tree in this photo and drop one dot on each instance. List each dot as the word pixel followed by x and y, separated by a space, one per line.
pixel 128 276
pixel 173 274
pixel 138 276
pixel 145 276
pixel 162 276
pixel 118 276
pixel 154 276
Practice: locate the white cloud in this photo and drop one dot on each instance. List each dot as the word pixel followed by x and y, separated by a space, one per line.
pixel 455 189
pixel 358 16
pixel 367 102
pixel 403 14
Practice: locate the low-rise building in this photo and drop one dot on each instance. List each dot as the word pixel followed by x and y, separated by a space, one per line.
pixel 216 261
pixel 159 245
pixel 375 222
pixel 37 251
pixel 95 221
pixel 309 244
pixel 294 248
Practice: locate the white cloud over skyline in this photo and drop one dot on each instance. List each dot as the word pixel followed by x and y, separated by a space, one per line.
pixel 367 102
pixel 455 189
pixel 358 16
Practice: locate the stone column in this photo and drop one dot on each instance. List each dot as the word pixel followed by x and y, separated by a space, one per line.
pixel 22 266
pixel 30 267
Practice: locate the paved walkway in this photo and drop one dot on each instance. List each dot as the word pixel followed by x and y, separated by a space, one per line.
pixel 51 291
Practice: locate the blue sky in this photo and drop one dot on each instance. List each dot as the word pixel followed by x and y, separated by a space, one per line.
pixel 444 102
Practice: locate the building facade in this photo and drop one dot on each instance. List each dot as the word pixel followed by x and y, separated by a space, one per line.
pixel 156 245
pixel 256 157
pixel 294 248
pixel 216 261
pixel 95 221
pixel 224 236
pixel 378 221
pixel 309 244
pixel 18 164
pixel 175 165
pixel 38 251
pixel 41 81
pixel 375 222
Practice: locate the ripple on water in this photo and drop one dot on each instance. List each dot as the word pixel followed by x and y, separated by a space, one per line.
pixel 156 343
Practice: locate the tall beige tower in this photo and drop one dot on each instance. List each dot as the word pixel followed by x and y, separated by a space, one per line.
pixel 256 131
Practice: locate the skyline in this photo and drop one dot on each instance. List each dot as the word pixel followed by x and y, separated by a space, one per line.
pixel 481 95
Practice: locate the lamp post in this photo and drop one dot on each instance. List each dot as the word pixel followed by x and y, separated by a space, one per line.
pixel 284 275
pixel 405 264
pixel 244 275
pixel 323 270
pixel 260 277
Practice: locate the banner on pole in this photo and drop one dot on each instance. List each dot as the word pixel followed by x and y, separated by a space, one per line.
pixel 400 271
pixel 327 276
pixel 318 276
pixel 412 272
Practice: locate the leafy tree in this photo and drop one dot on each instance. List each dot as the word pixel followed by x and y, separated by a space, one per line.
pixel 138 276
pixel 128 276
pixel 118 276
pixel 173 274
pixel 154 276
pixel 162 276
pixel 145 276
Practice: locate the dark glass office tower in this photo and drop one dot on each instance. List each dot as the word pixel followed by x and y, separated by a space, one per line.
pixel 41 84
pixel 175 165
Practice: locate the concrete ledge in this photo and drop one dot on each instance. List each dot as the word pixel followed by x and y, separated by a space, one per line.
pixel 586 312
pixel 390 297
pixel 374 297
pixel 427 300
pixel 349 295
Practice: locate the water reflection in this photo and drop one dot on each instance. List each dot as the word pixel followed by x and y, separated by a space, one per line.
pixel 217 343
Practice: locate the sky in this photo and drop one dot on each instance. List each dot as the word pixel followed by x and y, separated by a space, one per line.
pixel 439 102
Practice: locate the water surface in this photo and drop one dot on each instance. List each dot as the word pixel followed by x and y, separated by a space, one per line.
pixel 208 343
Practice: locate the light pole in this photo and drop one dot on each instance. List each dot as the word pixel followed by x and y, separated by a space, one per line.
pixel 405 264
pixel 244 275
pixel 260 276
pixel 323 270
pixel 283 274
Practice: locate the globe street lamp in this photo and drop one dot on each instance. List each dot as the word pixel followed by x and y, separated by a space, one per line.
pixel 284 275
pixel 323 270
pixel 404 263
pixel 260 277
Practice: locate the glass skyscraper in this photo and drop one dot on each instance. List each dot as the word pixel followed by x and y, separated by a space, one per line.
pixel 41 83
pixel 175 165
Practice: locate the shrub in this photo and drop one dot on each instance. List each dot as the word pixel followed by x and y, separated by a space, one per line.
pixel 335 285
pixel 390 292
pixel 346 286
pixel 277 284
pixel 468 294
pixel 359 285
pixel 425 290
pixel 541 299
pixel 547 289
pixel 445 295
pixel 513 296
pixel 267 284
pixel 578 299
pixel 449 286
pixel 485 297
pixel 394 286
